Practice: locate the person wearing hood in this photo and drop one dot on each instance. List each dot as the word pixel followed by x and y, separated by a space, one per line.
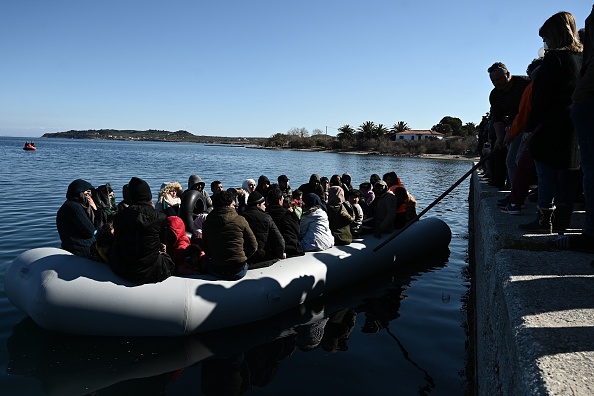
pixel 313 186
pixel 263 185
pixel 315 234
pixel 195 183
pixel 138 253
pixel 345 179
pixel 176 240
pixel 340 216
pixel 248 186
pixel 227 239
pixel 271 245
pixel 169 198
pixel 384 209
pixel 75 219
pixel 286 221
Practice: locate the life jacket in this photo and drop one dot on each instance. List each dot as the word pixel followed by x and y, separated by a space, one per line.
pixel 402 207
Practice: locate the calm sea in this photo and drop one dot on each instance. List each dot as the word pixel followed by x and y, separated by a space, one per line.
pixel 401 333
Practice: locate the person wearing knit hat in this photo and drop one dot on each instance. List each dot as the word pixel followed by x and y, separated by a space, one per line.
pixel 255 198
pixel 315 234
pixel 75 219
pixel 138 253
pixel 139 191
pixel 271 244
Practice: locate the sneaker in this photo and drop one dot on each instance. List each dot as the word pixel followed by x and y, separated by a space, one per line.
pixel 512 209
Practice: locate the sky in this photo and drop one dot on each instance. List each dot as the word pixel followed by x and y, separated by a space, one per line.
pixel 260 67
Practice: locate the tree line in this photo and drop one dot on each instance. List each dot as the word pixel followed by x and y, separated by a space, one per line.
pixel 373 137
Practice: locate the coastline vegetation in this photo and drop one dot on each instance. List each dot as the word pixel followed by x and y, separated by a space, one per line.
pixel 456 139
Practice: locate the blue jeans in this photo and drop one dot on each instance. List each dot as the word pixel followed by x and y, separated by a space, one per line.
pixel 555 185
pixel 511 161
pixel 583 119
pixel 227 275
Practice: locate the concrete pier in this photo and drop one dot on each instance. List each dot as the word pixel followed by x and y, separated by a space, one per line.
pixel 534 306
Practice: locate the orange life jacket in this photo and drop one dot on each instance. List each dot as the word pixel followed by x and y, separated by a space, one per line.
pixel 402 207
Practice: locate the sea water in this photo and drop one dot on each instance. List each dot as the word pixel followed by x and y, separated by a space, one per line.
pixel 399 333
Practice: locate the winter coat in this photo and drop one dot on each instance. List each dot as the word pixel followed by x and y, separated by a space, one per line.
pixel 340 218
pixel 136 256
pixel 177 241
pixel 271 244
pixel 555 141
pixel 384 212
pixel 228 239
pixel 75 228
pixel 75 220
pixel 288 225
pixel 315 231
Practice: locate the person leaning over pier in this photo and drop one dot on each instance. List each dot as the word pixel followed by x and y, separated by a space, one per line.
pixel 138 253
pixel 505 102
pixel 582 114
pixel 550 132
pixel 227 239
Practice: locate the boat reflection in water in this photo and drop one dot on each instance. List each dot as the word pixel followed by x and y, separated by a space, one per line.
pixel 228 361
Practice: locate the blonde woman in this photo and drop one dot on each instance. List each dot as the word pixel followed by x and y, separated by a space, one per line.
pixel 169 198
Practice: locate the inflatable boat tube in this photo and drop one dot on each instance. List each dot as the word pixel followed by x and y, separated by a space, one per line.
pixel 70 294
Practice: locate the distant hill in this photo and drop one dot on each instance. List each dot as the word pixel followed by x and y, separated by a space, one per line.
pixel 150 135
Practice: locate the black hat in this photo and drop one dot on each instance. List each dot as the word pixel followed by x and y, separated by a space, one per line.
pixel 139 191
pixel 283 178
pixel 255 198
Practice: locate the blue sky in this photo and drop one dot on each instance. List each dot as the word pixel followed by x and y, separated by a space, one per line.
pixel 255 68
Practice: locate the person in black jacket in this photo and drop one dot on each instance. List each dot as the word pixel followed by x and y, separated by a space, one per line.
pixel 286 220
pixel 138 254
pixel 75 218
pixel 271 245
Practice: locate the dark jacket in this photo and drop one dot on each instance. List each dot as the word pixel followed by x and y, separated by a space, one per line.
pixel 271 244
pixel 288 225
pixel 75 228
pixel 555 142
pixel 75 220
pixel 138 233
pixel 314 186
pixel 228 239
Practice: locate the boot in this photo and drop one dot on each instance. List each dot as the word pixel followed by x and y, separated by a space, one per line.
pixel 562 218
pixel 543 223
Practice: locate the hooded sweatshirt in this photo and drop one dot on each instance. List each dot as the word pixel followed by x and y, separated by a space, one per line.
pixel 74 220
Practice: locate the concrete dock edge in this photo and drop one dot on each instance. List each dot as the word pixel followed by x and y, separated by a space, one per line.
pixel 533 308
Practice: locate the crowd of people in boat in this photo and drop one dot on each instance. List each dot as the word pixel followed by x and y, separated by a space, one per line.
pixel 539 132
pixel 225 232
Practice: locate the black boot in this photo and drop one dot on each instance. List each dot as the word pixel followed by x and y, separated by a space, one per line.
pixel 562 218
pixel 543 223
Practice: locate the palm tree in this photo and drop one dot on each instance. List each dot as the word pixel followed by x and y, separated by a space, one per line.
pixel 366 130
pixel 400 126
pixel 346 132
pixel 380 131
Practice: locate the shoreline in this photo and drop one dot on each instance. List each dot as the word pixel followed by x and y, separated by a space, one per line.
pixel 462 157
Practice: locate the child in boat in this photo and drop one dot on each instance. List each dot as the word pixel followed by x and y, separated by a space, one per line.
pixel 354 197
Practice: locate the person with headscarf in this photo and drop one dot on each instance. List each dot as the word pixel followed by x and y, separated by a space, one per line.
pixel 138 254
pixel 75 219
pixel 340 216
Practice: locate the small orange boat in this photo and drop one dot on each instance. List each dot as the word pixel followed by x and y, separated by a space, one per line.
pixel 29 146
